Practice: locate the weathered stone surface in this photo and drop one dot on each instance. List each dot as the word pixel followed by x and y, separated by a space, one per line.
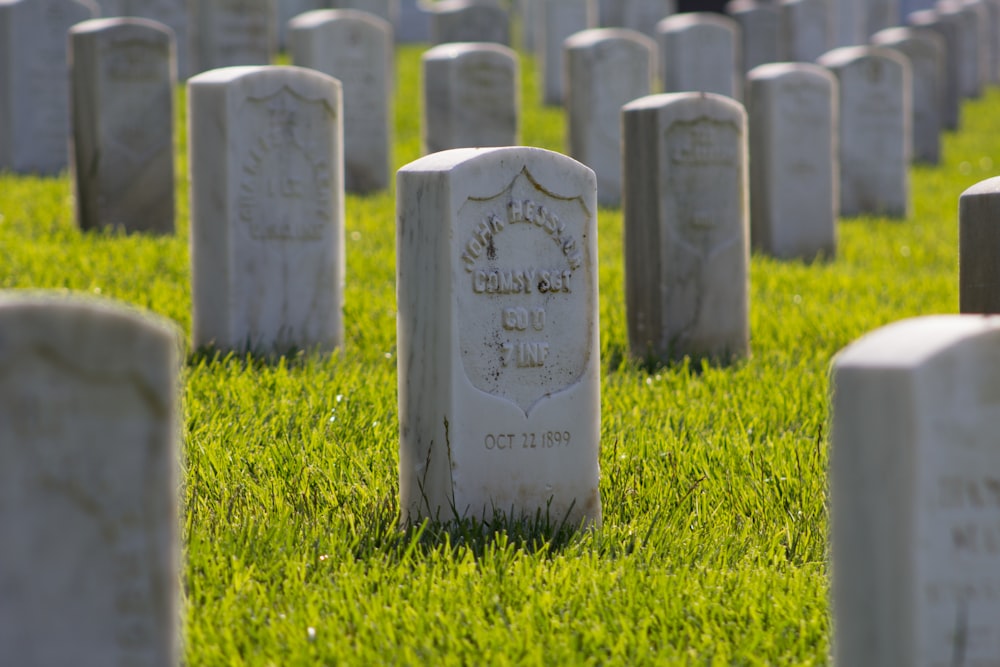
pixel 122 88
pixel 471 97
pixel 606 68
pixel 89 452
pixel 979 248
pixel 499 394
pixel 34 90
pixel 948 29
pixel 557 20
pixel 355 48
pixel 793 162
pixel 760 31
pixel 227 33
pixel 875 117
pixel 457 21
pixel 915 486
pixel 699 51
pixel 925 51
pixel 805 29
pixel 267 209
pixel 686 227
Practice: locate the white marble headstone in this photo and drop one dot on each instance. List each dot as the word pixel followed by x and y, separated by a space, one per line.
pixel 471 96
pixel 805 29
pixel 686 215
pixel 643 15
pixel 557 20
pixel 171 13
pixel 89 457
pixel 267 209
pixel 946 27
pixel 34 87
pixel 454 21
pixel 288 10
pixel 499 394
pixel 355 48
pixel 228 33
pixel 122 88
pixel 915 486
pixel 760 31
pixel 606 68
pixel 967 21
pixel 699 51
pixel 387 10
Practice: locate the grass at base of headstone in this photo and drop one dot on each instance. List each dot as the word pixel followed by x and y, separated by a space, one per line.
pixel 714 545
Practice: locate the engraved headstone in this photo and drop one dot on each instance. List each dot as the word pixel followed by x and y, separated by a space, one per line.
pixel 171 13
pixel 229 33
pixel 805 29
pixel 686 218
pixel 34 86
pixel 606 68
pixel 122 87
pixel 875 117
pixel 471 97
pixel 89 454
pixel 288 10
pixel 948 29
pixel 699 51
pixel 925 51
pixel 793 163
pixel 760 31
pixel 499 394
pixel 915 490
pixel 455 21
pixel 413 22
pixel 557 20
pixel 978 243
pixel 267 209
pixel 355 48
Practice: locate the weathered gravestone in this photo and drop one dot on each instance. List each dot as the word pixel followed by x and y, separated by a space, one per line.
pixel 557 20
pixel 915 486
pixel 793 163
pixel 89 452
pixel 526 11
pixel 387 10
pixel 606 68
pixel 267 209
pixel 805 29
pixel 969 65
pixel 471 97
pixel 979 248
pixel 760 31
pixel 228 33
pixel 122 88
pixel 34 90
pixel 925 51
pixel 356 49
pixel 946 27
pixel 499 395
pixel 686 227
pixel 171 13
pixel 643 15
pixel 413 22
pixel 699 51
pixel 455 21
pixel 850 25
pixel 992 72
pixel 288 10
pixel 874 129
pixel 882 14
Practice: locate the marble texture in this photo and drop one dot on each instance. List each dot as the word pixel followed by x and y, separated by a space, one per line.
pixel 471 97
pixel 557 20
pixel 606 68
pixel 498 355
pixel 356 48
pixel 34 88
pixel 794 195
pixel 760 32
pixel 805 30
pixel 267 209
pixel 686 219
pixel 875 116
pixel 915 490
pixel 122 90
pixel 978 244
pixel 229 33
pixel 925 51
pixel 947 28
pixel 699 51
pixel 455 21
pixel 89 457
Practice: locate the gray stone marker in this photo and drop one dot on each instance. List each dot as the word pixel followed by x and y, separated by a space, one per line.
pixel 89 457
pixel 267 209
pixel 793 162
pixel 985 36
pixel 606 68
pixel 413 23
pixel 882 14
pixel 699 51
pixel 805 29
pixel 686 227
pixel 969 65
pixel 875 118
pixel 471 97
pixel 499 368
pixel 925 51
pixel 122 88
pixel 455 21
pixel 171 13
pixel 760 31
pixel 288 10
pixel 34 90
pixel 993 50
pixel 526 12
pixel 978 244
pixel 948 29
pixel 915 487
pixel 387 10
pixel 356 49
pixel 229 33
pixel 557 20
pixel 850 23
pixel 643 15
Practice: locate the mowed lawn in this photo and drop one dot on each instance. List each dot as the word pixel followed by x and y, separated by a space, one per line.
pixel 714 547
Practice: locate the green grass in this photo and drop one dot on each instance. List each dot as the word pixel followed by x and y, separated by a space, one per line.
pixel 714 547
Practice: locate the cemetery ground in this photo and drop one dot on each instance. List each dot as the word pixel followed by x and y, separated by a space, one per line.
pixel 714 547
